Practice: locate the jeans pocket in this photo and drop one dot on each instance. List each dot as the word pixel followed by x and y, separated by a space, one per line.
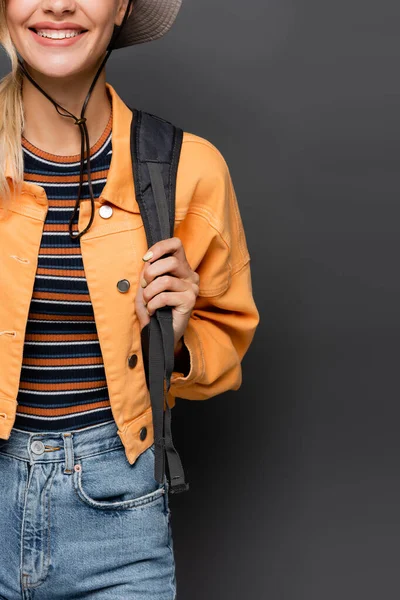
pixel 108 481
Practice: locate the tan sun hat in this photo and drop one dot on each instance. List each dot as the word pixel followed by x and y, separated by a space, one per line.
pixel 149 20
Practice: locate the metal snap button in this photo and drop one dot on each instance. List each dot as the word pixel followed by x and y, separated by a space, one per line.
pixel 123 285
pixel 105 211
pixel 37 447
pixel 132 361
pixel 143 433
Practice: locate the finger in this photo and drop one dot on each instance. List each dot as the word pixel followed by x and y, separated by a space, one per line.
pixel 171 245
pixel 164 283
pixel 140 309
pixel 181 301
pixel 171 265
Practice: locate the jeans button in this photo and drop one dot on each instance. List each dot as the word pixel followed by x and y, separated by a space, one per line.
pixel 37 447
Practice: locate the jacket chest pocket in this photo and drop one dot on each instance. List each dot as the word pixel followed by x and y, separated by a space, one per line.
pixel 20 236
pixel 111 255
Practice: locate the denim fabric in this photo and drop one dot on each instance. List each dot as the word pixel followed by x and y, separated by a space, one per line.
pixel 78 521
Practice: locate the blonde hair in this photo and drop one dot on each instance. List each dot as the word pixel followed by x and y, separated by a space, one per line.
pixel 11 118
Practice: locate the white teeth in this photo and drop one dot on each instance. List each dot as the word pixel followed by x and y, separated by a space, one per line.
pixel 58 35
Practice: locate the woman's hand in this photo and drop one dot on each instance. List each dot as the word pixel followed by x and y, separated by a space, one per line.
pixel 167 282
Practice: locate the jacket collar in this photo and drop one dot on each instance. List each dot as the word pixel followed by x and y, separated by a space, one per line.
pixel 119 188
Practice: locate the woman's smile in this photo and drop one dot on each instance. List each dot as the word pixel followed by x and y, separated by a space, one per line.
pixel 62 38
pixel 57 37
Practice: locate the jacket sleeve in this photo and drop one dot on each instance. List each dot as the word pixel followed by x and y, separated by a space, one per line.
pixel 224 319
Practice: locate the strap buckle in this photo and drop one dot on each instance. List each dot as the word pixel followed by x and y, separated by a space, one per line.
pixel 176 488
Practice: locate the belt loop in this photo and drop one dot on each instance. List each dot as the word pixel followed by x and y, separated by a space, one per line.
pixel 69 453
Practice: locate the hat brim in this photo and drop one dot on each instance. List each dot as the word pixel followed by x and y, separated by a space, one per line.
pixel 149 20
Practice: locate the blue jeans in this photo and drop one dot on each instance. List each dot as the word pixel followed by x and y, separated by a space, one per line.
pixel 77 520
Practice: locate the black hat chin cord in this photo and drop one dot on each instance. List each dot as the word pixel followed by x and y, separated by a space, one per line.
pixel 81 122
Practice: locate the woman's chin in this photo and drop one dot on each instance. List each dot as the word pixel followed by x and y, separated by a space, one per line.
pixel 55 69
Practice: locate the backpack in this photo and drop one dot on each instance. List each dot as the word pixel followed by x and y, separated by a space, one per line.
pixel 155 149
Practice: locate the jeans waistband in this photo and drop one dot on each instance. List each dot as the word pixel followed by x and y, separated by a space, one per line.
pixel 61 446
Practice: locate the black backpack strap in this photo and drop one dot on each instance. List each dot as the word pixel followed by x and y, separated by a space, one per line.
pixel 155 149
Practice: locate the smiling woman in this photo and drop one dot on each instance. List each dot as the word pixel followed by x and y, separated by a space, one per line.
pixel 52 49
pixel 80 436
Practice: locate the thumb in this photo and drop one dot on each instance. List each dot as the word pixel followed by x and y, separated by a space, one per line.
pixel 141 311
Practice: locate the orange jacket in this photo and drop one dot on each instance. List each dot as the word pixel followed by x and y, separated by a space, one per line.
pixel 208 222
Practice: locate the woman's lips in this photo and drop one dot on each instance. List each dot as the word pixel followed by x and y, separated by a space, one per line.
pixel 44 41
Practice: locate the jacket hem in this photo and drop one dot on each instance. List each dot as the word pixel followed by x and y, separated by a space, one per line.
pixel 130 435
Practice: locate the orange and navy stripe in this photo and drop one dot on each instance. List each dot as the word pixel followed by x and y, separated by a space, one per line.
pixel 63 383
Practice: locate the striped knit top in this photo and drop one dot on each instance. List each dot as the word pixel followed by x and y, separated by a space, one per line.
pixel 62 383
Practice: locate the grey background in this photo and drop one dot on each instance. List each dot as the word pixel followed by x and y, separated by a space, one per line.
pixel 295 477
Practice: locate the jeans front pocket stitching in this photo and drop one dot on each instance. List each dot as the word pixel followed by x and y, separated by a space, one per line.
pixel 142 501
